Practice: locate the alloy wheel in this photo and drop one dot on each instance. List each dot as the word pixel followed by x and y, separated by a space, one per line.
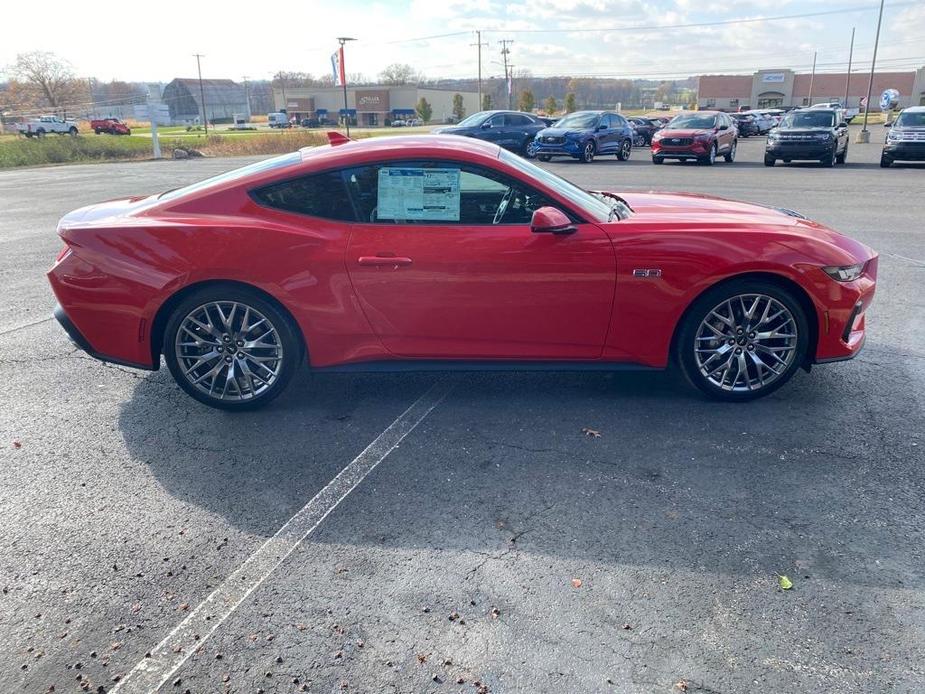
pixel 588 153
pixel 625 150
pixel 746 343
pixel 229 351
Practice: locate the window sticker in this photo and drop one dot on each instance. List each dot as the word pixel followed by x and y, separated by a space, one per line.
pixel 408 193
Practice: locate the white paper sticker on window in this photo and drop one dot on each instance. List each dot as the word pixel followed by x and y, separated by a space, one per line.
pixel 416 193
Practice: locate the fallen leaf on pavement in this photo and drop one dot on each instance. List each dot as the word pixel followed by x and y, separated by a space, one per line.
pixel 681 685
pixel 593 433
pixel 17 444
pixel 576 583
pixel 784 582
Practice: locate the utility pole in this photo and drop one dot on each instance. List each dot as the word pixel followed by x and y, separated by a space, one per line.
pixel 247 97
pixel 812 78
pixel 478 42
pixel 508 77
pixel 202 93
pixel 343 71
pixel 864 135
pixel 848 77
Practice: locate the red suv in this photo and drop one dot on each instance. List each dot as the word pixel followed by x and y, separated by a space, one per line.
pixel 699 135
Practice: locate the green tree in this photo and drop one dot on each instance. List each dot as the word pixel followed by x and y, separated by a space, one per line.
pixel 425 110
pixel 550 105
pixel 570 105
pixel 486 102
pixel 526 101
pixel 459 108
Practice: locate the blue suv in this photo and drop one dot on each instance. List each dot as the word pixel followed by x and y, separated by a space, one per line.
pixel 585 134
pixel 512 130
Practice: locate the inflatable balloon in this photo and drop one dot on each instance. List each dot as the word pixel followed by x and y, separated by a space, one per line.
pixel 889 100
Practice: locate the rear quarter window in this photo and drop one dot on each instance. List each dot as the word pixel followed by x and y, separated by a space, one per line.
pixel 320 195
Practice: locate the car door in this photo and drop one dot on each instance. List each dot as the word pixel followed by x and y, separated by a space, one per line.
pixel 623 130
pixel 607 135
pixel 496 129
pixel 726 134
pixel 459 281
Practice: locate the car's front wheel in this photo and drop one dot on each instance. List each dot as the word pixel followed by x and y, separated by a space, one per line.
pixel 711 156
pixel 543 157
pixel 885 161
pixel 230 348
pixel 587 152
pixel 742 340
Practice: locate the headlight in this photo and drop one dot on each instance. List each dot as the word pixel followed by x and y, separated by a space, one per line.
pixel 773 136
pixel 823 136
pixel 894 135
pixel 844 273
pixel 703 137
pixel 656 135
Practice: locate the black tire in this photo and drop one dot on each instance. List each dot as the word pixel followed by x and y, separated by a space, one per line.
pixel 72 132
pixel 843 157
pixel 885 161
pixel 828 161
pixel 40 132
pixel 710 158
pixel 543 157
pixel 587 152
pixel 700 310
pixel 626 149
pixel 286 338
pixel 97 131
pixel 730 156
pixel 658 160
pixel 769 161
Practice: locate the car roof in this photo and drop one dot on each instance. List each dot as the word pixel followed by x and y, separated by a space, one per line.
pixel 400 146
pixel 914 109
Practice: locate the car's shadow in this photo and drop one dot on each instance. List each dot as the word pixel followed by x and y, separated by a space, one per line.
pixel 695 476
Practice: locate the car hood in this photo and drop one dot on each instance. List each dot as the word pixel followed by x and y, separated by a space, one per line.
pixel 698 213
pixel 684 132
pixel 561 132
pixel 453 130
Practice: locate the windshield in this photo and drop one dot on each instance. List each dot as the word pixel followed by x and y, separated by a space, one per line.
pixel 914 119
pixel 693 121
pixel 578 120
pixel 474 119
pixel 595 208
pixel 265 165
pixel 809 119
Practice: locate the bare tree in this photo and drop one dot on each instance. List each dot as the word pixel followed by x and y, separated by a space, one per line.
pixel 49 76
pixel 399 73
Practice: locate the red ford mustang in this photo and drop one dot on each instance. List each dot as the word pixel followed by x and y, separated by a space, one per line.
pixel 416 253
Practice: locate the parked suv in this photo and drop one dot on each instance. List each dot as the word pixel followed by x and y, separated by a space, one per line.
pixel 815 133
pixel 585 134
pixel 644 128
pixel 512 130
pixel 746 124
pixel 906 139
pixel 700 136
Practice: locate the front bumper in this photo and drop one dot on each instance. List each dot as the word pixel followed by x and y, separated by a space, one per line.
pixel 800 149
pixel 568 148
pixel 843 322
pixel 905 151
pixel 695 150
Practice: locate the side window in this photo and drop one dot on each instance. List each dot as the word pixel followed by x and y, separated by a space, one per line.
pixel 320 195
pixel 499 121
pixel 517 119
pixel 439 193
pixel 619 122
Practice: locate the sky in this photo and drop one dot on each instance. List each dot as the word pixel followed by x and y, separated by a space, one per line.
pixel 612 38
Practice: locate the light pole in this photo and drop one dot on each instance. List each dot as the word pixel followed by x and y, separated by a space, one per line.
pixel 202 94
pixel 343 71
pixel 848 77
pixel 812 78
pixel 864 135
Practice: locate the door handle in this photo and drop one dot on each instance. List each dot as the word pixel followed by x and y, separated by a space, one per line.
pixel 383 261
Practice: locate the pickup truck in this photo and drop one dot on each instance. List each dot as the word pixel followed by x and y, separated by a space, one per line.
pixel 113 126
pixel 43 125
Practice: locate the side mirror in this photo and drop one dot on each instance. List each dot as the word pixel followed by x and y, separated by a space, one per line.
pixel 602 127
pixel 549 220
pixel 724 127
pixel 843 124
pixel 486 125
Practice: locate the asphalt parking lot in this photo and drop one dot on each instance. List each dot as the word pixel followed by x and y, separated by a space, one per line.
pixel 491 545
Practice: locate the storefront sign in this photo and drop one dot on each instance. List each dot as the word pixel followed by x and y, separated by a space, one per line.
pixel 373 100
pixel 772 77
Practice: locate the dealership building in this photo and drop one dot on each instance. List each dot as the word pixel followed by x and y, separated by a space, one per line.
pixel 775 88
pixel 370 106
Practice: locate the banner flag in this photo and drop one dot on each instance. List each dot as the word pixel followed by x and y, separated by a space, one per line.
pixel 337 67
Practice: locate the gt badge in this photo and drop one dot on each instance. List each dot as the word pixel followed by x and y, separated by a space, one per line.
pixel 651 272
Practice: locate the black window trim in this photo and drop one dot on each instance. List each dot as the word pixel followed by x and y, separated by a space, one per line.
pixel 569 210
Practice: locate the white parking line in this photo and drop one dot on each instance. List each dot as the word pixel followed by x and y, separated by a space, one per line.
pixel 170 654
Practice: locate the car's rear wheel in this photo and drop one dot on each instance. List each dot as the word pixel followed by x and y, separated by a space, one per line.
pixel 587 152
pixel 742 340
pixel 626 149
pixel 230 348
